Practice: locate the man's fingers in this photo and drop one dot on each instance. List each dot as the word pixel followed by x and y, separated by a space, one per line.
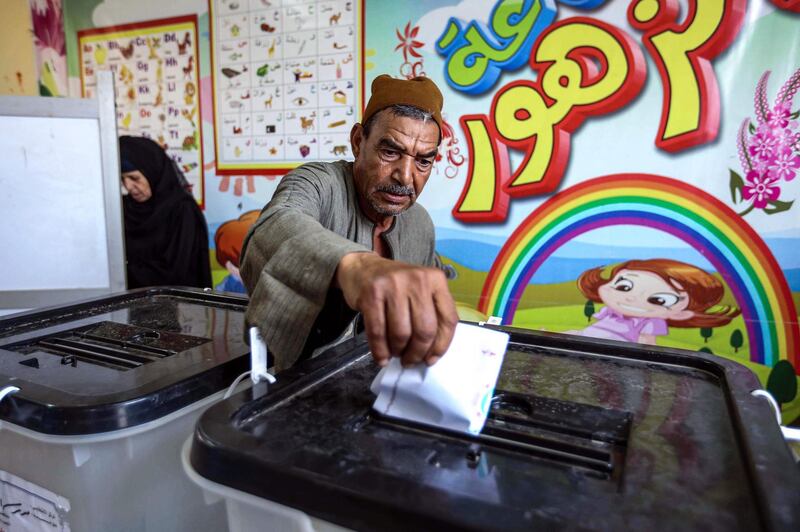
pixel 375 326
pixel 398 321
pixel 408 310
pixel 423 319
pixel 447 319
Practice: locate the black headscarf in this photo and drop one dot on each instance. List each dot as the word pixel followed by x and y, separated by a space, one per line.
pixel 166 239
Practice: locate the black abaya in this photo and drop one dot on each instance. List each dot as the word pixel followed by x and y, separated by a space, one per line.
pixel 166 239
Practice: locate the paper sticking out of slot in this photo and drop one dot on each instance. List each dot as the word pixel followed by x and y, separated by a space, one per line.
pixel 455 393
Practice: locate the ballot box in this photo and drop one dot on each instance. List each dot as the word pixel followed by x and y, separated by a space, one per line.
pixel 582 434
pixel 107 391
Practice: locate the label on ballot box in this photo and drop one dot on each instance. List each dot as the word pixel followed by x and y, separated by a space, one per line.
pixel 24 506
pixel 455 393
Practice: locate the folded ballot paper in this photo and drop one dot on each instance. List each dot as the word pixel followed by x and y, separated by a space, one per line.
pixel 455 393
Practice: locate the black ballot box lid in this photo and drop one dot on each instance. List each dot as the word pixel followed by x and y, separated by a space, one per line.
pixel 119 361
pixel 582 434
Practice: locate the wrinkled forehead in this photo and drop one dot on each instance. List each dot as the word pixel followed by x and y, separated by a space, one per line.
pixel 406 132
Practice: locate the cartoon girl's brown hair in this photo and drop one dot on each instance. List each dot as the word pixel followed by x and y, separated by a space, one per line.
pixel 229 238
pixel 704 290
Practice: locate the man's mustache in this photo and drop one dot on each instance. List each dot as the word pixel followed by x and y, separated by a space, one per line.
pixel 398 190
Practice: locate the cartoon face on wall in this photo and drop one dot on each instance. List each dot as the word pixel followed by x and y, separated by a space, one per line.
pixel 643 298
pixel 228 241
pixel 643 294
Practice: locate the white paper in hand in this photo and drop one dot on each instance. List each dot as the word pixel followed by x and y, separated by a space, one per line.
pixel 456 392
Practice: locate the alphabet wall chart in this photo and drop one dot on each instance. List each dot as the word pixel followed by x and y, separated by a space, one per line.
pixel 286 87
pixel 156 85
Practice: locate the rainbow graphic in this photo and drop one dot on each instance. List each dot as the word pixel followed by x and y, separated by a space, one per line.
pixel 690 214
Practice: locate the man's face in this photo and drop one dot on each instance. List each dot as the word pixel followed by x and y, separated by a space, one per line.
pixel 393 164
pixel 137 186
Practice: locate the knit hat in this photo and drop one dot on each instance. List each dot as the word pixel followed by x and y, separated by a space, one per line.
pixel 420 92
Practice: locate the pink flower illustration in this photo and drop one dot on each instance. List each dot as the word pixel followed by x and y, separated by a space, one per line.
pixel 785 137
pixel 761 188
pixel 762 166
pixel 763 144
pixel 768 149
pixel 784 164
pixel 780 116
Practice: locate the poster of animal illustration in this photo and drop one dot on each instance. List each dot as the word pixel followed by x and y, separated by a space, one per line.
pixel 155 84
pixel 285 82
pixel 619 169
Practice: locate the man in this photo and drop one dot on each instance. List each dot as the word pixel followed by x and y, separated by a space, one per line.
pixel 342 237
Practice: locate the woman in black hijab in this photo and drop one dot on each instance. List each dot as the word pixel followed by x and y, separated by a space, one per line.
pixel 166 239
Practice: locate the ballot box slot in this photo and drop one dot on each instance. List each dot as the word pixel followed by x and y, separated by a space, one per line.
pixel 137 356
pixel 599 461
pixel 597 452
pixel 112 345
pixel 593 439
pixel 89 353
pixel 565 417
pixel 156 351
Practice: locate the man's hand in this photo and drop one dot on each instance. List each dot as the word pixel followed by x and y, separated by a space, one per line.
pixel 408 310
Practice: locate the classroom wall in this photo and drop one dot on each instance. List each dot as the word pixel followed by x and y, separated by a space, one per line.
pixel 580 135
pixel 17 66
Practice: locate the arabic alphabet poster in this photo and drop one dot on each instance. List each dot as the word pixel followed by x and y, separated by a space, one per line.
pixel 156 85
pixel 285 81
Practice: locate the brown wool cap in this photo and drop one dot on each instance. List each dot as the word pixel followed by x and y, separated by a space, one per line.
pixel 420 92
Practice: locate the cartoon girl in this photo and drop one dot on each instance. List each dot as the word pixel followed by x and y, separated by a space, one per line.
pixel 644 297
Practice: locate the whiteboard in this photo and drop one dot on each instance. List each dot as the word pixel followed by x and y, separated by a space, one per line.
pixel 60 205
pixel 52 204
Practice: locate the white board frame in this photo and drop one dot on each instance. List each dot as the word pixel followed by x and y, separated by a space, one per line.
pixel 102 110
